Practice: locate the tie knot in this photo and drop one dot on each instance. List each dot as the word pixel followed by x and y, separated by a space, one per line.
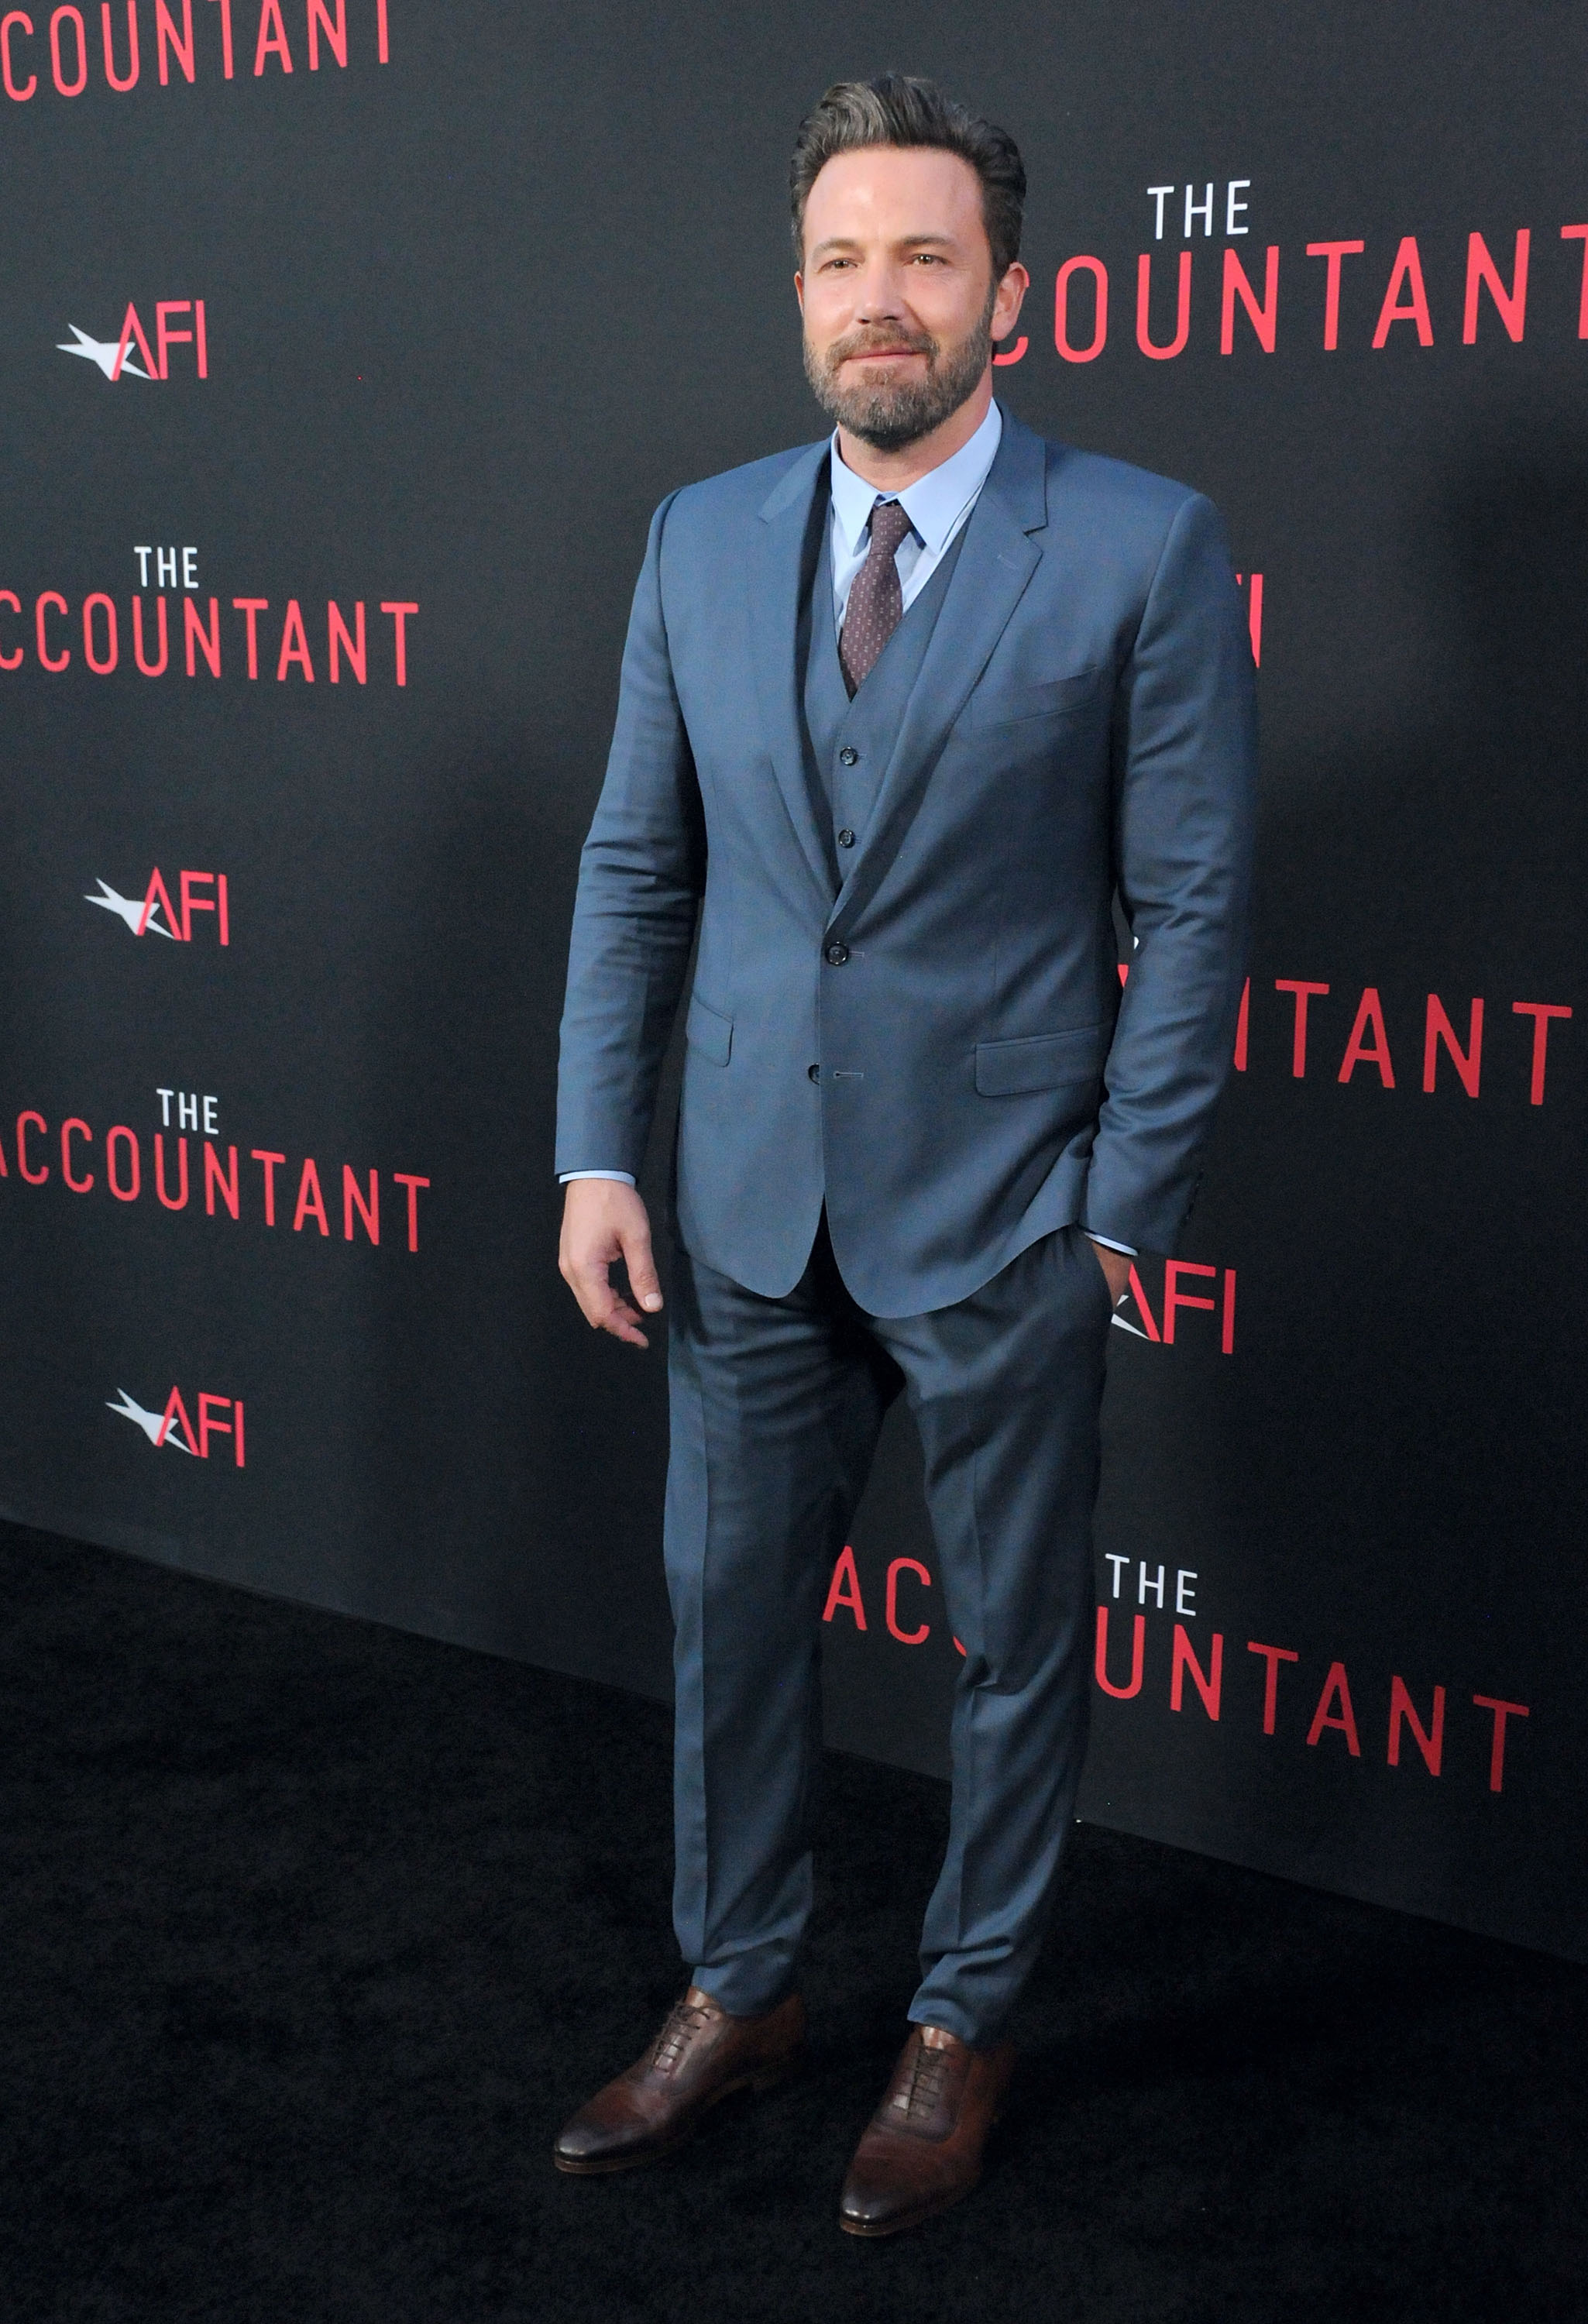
pixel 888 526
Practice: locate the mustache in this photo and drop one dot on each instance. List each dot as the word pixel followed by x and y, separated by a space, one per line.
pixel 876 341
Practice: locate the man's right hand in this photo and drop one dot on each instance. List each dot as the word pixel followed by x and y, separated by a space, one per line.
pixel 604 1220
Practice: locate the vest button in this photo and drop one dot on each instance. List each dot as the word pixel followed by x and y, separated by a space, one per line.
pixel 850 755
pixel 837 955
pixel 815 1073
pixel 845 839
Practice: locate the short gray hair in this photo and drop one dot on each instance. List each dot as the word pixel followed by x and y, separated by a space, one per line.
pixel 899 109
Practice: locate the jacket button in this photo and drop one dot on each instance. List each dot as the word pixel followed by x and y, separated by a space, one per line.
pixel 815 1072
pixel 850 755
pixel 845 839
pixel 837 955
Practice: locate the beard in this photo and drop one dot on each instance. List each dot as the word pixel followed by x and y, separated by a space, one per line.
pixel 888 415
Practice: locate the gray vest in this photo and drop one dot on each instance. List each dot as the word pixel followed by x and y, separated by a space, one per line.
pixel 848 744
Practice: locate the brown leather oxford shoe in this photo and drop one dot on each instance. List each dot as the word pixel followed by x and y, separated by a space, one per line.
pixel 701 2056
pixel 922 2148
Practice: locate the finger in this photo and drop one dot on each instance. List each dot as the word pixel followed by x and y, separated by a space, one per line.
pixel 603 1308
pixel 644 1280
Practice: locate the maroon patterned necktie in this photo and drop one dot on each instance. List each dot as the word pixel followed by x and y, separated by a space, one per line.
pixel 876 601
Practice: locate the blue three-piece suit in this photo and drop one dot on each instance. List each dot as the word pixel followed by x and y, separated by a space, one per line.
pixel 911 1080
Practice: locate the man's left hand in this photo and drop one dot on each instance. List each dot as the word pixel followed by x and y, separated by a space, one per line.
pixel 1116 1266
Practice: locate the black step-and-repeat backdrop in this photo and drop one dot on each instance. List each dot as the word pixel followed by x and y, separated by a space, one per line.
pixel 349 343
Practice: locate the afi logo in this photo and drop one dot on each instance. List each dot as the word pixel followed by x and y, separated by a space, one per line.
pixel 114 356
pixel 140 917
pixel 1216 1297
pixel 173 1427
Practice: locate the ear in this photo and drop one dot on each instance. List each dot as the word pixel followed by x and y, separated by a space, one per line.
pixel 799 290
pixel 1006 307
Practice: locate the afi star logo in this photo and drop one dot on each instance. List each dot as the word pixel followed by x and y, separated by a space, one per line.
pixel 172 1427
pixel 140 914
pixel 114 356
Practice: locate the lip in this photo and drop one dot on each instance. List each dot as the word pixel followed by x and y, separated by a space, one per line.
pixel 883 355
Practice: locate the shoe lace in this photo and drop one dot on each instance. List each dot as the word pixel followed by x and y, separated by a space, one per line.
pixel 685 2020
pixel 928 2070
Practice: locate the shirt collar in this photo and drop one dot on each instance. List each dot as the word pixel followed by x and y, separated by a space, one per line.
pixel 934 503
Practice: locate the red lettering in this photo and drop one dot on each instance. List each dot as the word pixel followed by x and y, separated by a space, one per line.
pixel 383 43
pixel 1243 1023
pixel 11 660
pixel 220 1182
pixel 271 44
pixel 1334 251
pixel 340 642
pixel 155 894
pixel 192 903
pixel 1137 1657
pixel 1430 1743
pixel 150 669
pixel 1335 1690
pixel 1541 1011
pixel 1264 319
pixel 110 71
pixel 1061 310
pixel 130 330
pixel 251 608
pixel 1175 1298
pixel 1503 1712
pixel 1227 1327
pixel 268 1163
pixel 208 1426
pixel 844 1589
pixel 1275 1656
pixel 1370 1017
pixel 164 337
pixel 1140 1296
pixel 400 613
pixel 196 636
pixel 891 1608
pixel 310 1201
pixel 69 1131
pixel 224 913
pixel 165 35
pixel 1510 305
pixel 69 16
pixel 1567 233
pixel 176 1408
pixel 202 349
pixel 112 651
pixel 123 1193
pixel 294 643
pixel 1013 355
pixel 21 95
pixel 1408 272
pixel 1144 338
pixel 335 34
pixel 1438 1027
pixel 50 597
pixel 1209 1688
pixel 352 1200
pixel 180 1203
pixel 34 1178
pixel 1304 993
pixel 401 1178
pixel 237 1439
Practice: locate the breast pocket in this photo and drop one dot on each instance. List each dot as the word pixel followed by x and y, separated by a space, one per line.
pixel 995 704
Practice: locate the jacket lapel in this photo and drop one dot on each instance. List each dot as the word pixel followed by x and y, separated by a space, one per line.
pixel 996 562
pixel 785 558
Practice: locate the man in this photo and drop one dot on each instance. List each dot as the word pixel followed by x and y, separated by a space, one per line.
pixel 902 712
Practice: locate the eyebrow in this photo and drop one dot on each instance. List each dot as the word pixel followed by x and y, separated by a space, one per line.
pixel 904 241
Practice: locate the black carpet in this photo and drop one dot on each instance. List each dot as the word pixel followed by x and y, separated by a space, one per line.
pixel 313 1932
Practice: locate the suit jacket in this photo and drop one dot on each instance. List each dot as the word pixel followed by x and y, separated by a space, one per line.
pixel 1082 721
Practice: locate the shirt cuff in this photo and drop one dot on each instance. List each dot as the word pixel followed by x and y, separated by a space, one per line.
pixel 1125 1249
pixel 618 1177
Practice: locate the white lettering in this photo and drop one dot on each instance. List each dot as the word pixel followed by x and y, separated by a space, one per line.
pixel 165 1097
pixel 211 1116
pixel 1144 1586
pixel 1185 1574
pixel 1158 193
pixel 165 565
pixel 1116 1562
pixel 1232 206
pixel 1202 209
pixel 190 556
pixel 187 1112
pixel 143 553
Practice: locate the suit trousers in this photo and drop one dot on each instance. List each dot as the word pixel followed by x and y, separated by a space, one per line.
pixel 776 1406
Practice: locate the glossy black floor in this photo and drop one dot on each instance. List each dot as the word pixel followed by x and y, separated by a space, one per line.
pixel 312 1931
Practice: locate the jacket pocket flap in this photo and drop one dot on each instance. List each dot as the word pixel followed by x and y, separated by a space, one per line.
pixel 992 704
pixel 705 1030
pixel 1046 1061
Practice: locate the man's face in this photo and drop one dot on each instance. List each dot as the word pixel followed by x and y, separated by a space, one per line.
pixel 896 292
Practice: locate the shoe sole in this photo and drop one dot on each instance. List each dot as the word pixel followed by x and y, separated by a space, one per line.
pixel 603 2166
